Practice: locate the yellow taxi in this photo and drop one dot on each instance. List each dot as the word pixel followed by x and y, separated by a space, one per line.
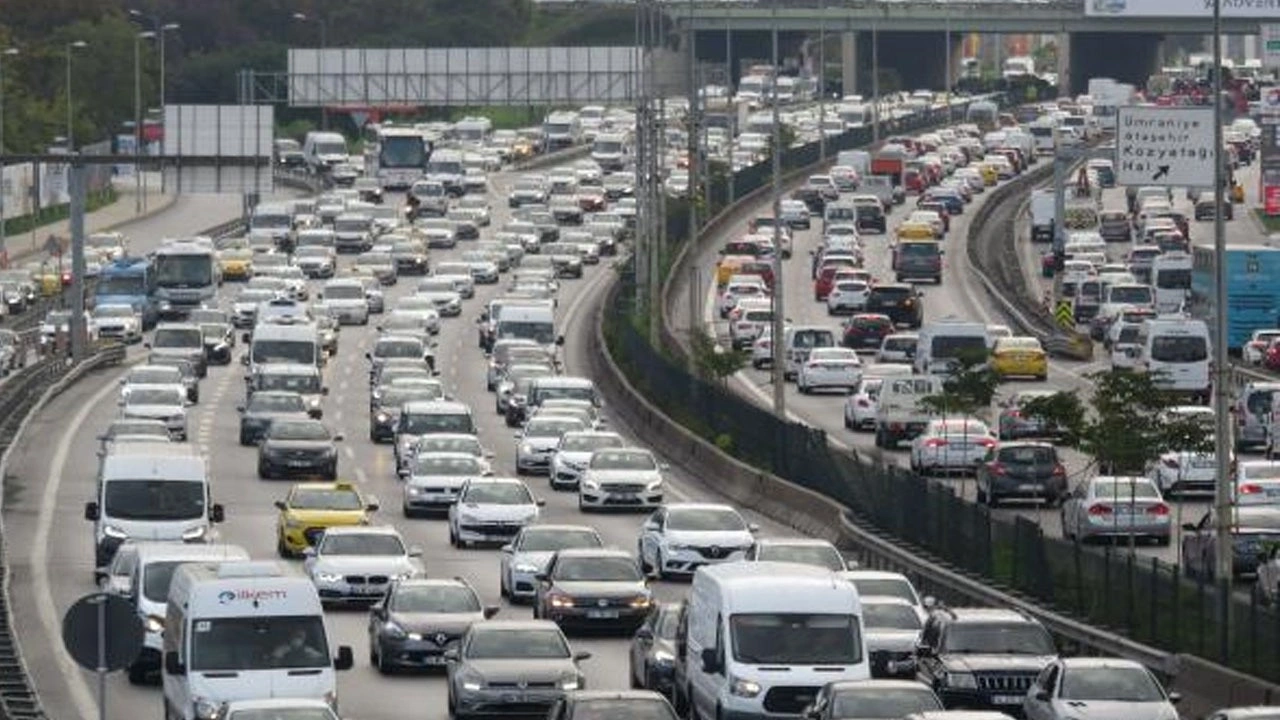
pixel 1019 357
pixel 523 149
pixel 49 281
pixel 312 507
pixel 990 173
pixel 916 231
pixel 236 263
pixel 729 265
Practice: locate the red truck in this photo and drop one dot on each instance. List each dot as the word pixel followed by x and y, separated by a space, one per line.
pixel 890 161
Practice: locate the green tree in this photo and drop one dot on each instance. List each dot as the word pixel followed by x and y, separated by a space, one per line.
pixel 712 361
pixel 969 388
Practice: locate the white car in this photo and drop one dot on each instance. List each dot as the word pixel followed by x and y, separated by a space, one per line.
pixel 167 403
pixel 316 261
pixel 880 583
pixel 762 350
pixel 737 290
pixel 794 213
pixel 532 548
pixel 150 376
pixel 860 407
pixel 1255 350
pixel 802 551
pixel 627 477
pixel 1257 482
pixel 447 303
pixel 120 322
pixel 347 301
pixel 1178 472
pixel 847 297
pixel 491 510
pixel 537 442
pixel 951 445
pixel 749 319
pixel 569 461
pixel 826 368
pixel 898 348
pixel 435 479
pixel 1125 688
pixel 377 555
pixel 679 538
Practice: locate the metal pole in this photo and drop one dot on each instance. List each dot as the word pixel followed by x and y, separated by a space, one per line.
pixel 71 141
pixel 1222 430
pixel 4 251
pixel 76 176
pixel 102 656
pixel 137 122
pixel 946 17
pixel 822 79
pixel 641 159
pixel 1059 202
pixel 733 108
pixel 779 312
pixel 875 84
pixel 162 94
pixel 693 125
pixel 324 45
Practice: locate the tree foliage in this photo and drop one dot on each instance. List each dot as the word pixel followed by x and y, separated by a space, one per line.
pixel 714 362
pixel 969 388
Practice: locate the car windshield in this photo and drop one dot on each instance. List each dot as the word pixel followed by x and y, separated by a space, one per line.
pixel 623 460
pixel 882 702
pixel 249 642
pixel 154 499
pixel 434 599
pixel 1124 489
pixel 275 403
pixel 705 520
pixel 361 544
pixel 1027 455
pixel 497 494
pixel 1179 348
pixel 351 225
pixel 299 352
pixel 890 616
pixel 468 445
pixel 1118 684
pixel 282 713
pixel 177 338
pixel 325 499
pixel 551 427
pixel 398 349
pixel 819 555
pixel 993 639
pixel 1132 294
pixel 119 311
pixel 795 639
pixel 589 443
pixel 428 423
pixel 596 569
pixel 543 333
pixel 886 587
pixel 918 249
pixel 301 384
pixel 490 644
pixel 297 430
pixel 155 396
pixel 344 292
pixel 613 709
pixel 155 375
pixel 396 397
pixel 429 465
pixel 551 540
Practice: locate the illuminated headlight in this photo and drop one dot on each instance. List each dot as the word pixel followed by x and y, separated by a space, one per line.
pixel 195 533
pixel 569 684
pixel 327 577
pixel 154 624
pixel 204 708
pixel 391 629
pixel 961 681
pixel 410 489
pixel 662 657
pixel 528 449
pixel 472 682
pixel 655 485
pixel 525 567
pixel 112 531
pixel 743 687
pixel 641 601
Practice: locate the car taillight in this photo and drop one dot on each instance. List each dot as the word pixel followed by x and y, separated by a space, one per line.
pixel 1099 509
pixel 1250 489
pixel 987 443
pixel 996 469
pixel 1158 509
pixel 1059 471
pixel 935 442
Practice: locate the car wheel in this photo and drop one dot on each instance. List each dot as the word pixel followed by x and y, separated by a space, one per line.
pixel 263 472
pixel 137 675
pixel 384 667
pixel 980 494
pixel 282 550
pixel 645 568
pixel 246 439
pixel 453 536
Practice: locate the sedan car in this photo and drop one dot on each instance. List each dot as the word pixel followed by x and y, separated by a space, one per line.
pixel 827 368
pixel 1025 469
pixel 527 555
pixel 626 477
pixel 436 478
pixel 1257 482
pixel 882 583
pixel 1253 529
pixel 892 629
pixel 530 656
pixel 951 445
pixel 491 510
pixel 1110 506
pixel 126 430
pixel 873 700
pixel 298 447
pixel 1014 422
pixel 1019 357
pixel 594 587
pixel 537 441
pixel 419 619
pixel 117 322
pixel 359 563
pixel 652 656
pixel 847 296
pixel 866 331
pixel 802 551
pixel 1098 688
pixel 165 403
pixel 311 508
pixel 264 408
pixel 679 538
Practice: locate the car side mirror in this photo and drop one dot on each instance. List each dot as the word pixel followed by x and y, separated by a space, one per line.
pixel 339 437
pixel 924 650
pixel 753 528
pixel 280 505
pixel 315 413
pixel 372 506
pixel 644 633
pixel 217 513
pixel 172 665
pixel 1175 697
pixel 345 659
pixel 1190 527
pixel 710 661
pixel 451 655
pixel 324 391
pixel 368 356
pixel 560 340
pixel 244 359
pixel 507 549
pixel 581 655
pixel 490 611
pixel 309 552
pixel 91 511
pixel 929 602
pixel 540 502
pixel 146 345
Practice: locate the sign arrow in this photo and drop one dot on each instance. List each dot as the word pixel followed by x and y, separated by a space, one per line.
pixel 1161 171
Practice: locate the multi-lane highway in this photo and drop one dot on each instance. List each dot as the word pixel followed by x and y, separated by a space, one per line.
pixel 53 474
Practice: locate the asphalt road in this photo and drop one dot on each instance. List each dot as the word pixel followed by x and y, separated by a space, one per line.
pixel 53 475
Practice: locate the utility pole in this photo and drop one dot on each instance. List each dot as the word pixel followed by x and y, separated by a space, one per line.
pixel 71 133
pixel 137 117
pixel 1223 545
pixel 778 373
pixel 693 127
pixel 822 79
pixel 875 84
pixel 947 31
pixel 79 331
pixel 4 251
pixel 642 157
pixel 730 88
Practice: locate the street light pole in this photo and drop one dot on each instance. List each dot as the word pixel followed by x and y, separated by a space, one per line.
pixel 947 31
pixel 137 117
pixel 324 45
pixel 159 27
pixel 778 371
pixel 4 252
pixel 822 79
pixel 71 137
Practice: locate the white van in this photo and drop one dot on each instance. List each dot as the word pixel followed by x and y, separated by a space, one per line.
pixel 1177 351
pixel 530 321
pixel 767 635
pixel 323 150
pixel 149 581
pixel 799 340
pixel 274 343
pixel 943 343
pixel 151 491
pixel 245 631
pixel 1171 278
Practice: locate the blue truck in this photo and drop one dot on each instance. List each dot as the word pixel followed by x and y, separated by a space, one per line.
pixel 130 281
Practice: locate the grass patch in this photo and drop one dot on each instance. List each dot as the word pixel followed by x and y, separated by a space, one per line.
pixel 1270 222
pixel 95 200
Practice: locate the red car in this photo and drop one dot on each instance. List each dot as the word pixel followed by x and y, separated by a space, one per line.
pixel 866 331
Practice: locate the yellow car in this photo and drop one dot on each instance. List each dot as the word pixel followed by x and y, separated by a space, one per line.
pixel 236 264
pixel 916 231
pixel 1019 357
pixel 728 266
pixel 311 507
pixel 990 174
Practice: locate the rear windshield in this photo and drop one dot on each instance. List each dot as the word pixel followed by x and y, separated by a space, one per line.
pixel 918 249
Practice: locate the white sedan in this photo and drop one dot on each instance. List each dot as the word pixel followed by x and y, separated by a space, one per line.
pixel 1257 482
pixel 848 296
pixel 679 538
pixel 826 368
pixel 491 510
pixel 621 477
pixel 738 290
pixel 951 445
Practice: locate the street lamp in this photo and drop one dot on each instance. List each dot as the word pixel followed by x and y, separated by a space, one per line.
pixel 159 28
pixel 4 253
pixel 324 45
pixel 71 136
pixel 137 115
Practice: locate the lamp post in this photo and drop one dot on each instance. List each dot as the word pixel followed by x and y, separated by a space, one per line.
pixel 71 137
pixel 137 116
pixel 4 252
pixel 778 370
pixel 159 27
pixel 324 45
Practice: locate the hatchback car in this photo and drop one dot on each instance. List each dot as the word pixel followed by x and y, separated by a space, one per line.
pixel 491 510
pixel 830 368
pixel 627 477
pixel 951 445
pixel 494 657
pixel 866 331
pixel 1108 506
pixel 421 618
pixel 597 588
pixel 681 537
pixel 1022 470
pixel 358 563
pixel 298 447
pixel 527 555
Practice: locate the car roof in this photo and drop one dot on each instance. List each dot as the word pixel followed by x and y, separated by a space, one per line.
pixel 594 552
pixel 362 530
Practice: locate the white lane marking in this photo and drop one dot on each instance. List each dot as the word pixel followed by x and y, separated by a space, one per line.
pixel 337 417
pixel 351 454
pixel 361 477
pixel 45 606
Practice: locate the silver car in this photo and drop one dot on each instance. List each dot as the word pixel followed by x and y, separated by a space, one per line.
pixel 531 549
pixel 165 403
pixel 435 479
pixel 571 456
pixel 1100 689
pixel 1109 506
pixel 538 440
pixel 496 656
pixel 358 563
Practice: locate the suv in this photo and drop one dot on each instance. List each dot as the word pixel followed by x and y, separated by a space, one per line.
pixel 901 302
pixel 983 658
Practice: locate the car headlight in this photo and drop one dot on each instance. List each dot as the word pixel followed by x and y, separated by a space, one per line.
pixel 525 567
pixel 641 601
pixel 195 533
pixel 471 682
pixel 569 684
pixel 961 680
pixel 112 531
pixel 590 485
pixel 527 449
pixel 392 629
pixel 678 546
pixel 327 577
pixel 655 485
pixel 204 708
pixel 743 687
pixel 662 657
pixel 154 624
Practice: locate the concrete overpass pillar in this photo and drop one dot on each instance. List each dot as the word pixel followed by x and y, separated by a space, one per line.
pixel 1064 64
pixel 849 62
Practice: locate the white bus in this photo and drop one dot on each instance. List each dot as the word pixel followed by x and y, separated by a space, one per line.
pixel 187 276
pixel 402 157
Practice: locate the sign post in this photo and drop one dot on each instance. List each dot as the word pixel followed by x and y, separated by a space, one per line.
pixel 1165 146
pixel 102 633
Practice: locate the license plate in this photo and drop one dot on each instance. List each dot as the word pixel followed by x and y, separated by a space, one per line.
pixel 602 614
pixel 368 590
pixel 1272 492
pixel 299 463
pixel 1007 699
pixel 433 660
pixel 1204 463
pixel 890 303
pixel 1028 487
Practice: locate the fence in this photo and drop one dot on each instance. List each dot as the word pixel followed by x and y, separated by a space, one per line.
pixel 1144 599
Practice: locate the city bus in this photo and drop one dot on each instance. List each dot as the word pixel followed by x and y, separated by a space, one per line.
pixel 1253 289
pixel 402 157
pixel 187 276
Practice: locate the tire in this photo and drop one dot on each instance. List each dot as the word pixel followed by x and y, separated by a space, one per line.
pixel 384 667
pixel 282 550
pixel 137 675
pixel 246 440
pixel 645 568
pixel 453 537
pixel 662 574
pixel 981 495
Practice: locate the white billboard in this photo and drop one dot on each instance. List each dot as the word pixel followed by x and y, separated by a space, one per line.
pixel 242 134
pixel 1261 9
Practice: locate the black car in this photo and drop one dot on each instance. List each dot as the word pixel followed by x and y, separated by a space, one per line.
pixel 871 217
pixel 266 407
pixel 613 704
pixel 421 618
pixel 653 649
pixel 983 658
pixel 385 407
pixel 1022 469
pixel 900 301
pixel 593 587
pixel 298 448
